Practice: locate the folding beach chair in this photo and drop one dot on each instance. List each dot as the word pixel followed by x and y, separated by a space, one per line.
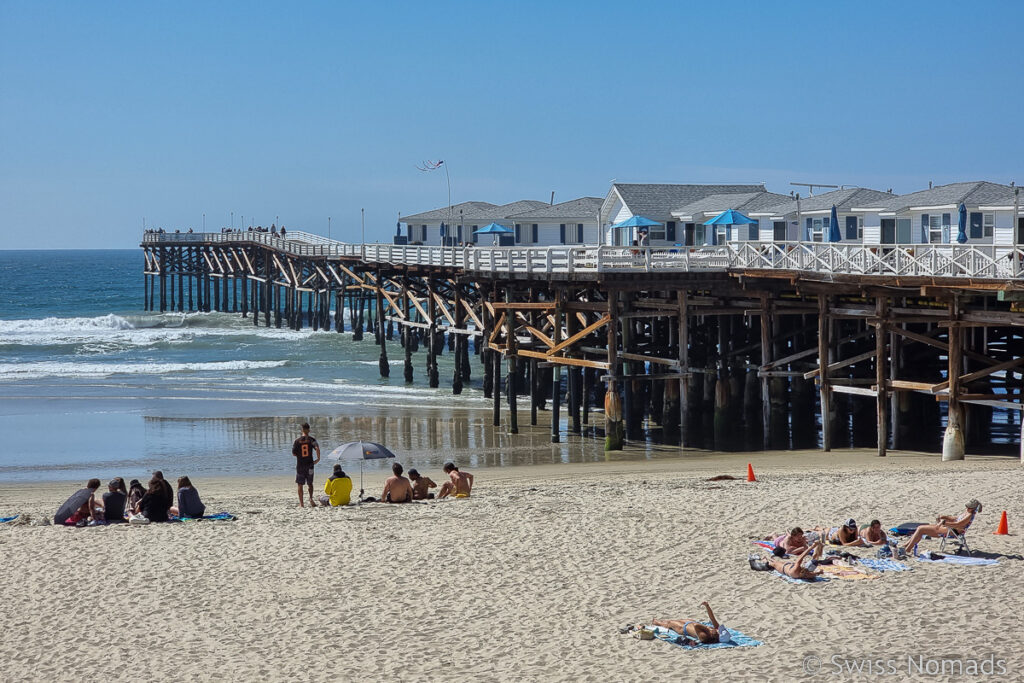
pixel 959 538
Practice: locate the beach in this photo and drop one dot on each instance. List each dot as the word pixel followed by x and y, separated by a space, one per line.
pixel 529 579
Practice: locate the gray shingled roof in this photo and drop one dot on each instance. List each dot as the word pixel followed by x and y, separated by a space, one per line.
pixel 582 208
pixel 506 210
pixel 976 193
pixel 744 202
pixel 656 201
pixel 469 210
pixel 844 200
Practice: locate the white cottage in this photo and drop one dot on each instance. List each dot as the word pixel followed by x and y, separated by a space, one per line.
pixel 932 216
pixel 449 227
pixel 656 202
pixel 572 222
pixel 754 205
pixel 808 219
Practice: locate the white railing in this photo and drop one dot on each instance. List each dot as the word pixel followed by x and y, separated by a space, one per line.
pixel 899 260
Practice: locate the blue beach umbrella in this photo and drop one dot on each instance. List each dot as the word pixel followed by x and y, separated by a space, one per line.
pixel 961 228
pixel 727 218
pixel 833 229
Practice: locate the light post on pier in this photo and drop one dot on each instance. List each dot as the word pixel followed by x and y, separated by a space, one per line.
pixel 204 222
pixel 328 227
pixel 232 220
pixel 362 224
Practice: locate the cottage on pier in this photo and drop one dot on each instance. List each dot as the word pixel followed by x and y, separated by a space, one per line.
pixel 574 222
pixel 656 202
pixel 808 219
pixel 754 205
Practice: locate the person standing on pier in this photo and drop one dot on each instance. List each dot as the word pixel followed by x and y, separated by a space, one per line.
pixel 302 450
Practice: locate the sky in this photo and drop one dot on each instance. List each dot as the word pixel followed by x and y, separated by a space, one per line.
pixel 114 115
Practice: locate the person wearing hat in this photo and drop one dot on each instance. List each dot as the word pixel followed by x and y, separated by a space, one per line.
pixel 337 489
pixel 943 525
pixel 847 534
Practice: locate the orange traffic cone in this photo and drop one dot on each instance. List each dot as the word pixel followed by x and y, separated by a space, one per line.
pixel 750 473
pixel 1004 527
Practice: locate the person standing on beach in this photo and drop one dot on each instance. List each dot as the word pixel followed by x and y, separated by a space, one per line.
pixel 460 483
pixel 303 449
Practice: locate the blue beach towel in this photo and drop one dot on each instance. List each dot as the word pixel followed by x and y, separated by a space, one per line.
pixel 883 565
pixel 905 529
pixel 956 559
pixel 670 636
pixel 4 520
pixel 217 517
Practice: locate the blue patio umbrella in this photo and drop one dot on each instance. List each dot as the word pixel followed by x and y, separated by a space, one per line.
pixel 961 232
pixel 833 229
pixel 727 218
pixel 635 222
pixel 493 229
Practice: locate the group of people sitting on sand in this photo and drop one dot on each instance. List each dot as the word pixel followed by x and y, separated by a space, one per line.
pixel 135 504
pixel 792 550
pixel 398 488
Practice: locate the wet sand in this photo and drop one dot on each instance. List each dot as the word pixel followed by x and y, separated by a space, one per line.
pixel 528 579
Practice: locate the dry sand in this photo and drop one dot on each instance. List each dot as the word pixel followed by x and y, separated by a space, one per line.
pixel 529 579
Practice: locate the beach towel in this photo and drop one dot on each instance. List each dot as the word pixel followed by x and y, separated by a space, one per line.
pixel 4 520
pixel 670 636
pixel 956 559
pixel 767 545
pixel 905 529
pixel 790 579
pixel 844 573
pixel 220 517
pixel 884 565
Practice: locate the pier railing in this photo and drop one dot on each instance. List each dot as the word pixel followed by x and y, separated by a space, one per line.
pixel 898 260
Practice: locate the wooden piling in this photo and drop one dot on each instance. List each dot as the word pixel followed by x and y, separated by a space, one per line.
pixel 881 313
pixel 823 386
pixel 613 428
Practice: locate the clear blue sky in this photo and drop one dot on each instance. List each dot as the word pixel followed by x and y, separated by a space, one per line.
pixel 111 112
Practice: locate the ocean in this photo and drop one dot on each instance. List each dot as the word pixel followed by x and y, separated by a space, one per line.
pixel 91 385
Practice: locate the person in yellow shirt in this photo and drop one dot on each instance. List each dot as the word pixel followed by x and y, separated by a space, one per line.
pixel 338 489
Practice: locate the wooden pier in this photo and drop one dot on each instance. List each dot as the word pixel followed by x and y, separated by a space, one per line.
pixel 701 345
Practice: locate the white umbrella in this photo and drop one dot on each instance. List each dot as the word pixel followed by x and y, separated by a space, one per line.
pixel 360 450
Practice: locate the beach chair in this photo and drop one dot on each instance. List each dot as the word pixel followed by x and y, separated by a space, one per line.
pixel 958 538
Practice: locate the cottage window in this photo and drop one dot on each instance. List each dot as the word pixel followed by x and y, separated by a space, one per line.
pixel 818 228
pixel 989 224
pixel 935 229
pixel 657 232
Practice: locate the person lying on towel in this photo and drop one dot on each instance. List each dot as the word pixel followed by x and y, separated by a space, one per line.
pixel 793 568
pixel 943 524
pixel 873 534
pixel 691 628
pixel 847 534
pixel 793 542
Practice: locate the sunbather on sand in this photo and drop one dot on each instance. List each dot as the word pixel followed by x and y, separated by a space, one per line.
pixel 874 534
pixel 421 486
pixel 792 568
pixel 460 484
pixel 691 628
pixel 397 489
pixel 943 524
pixel 793 542
pixel 847 534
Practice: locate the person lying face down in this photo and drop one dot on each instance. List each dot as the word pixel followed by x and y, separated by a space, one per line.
pixel 397 489
pixel 420 486
pixel 873 534
pixel 793 542
pixel 847 534
pixel 691 628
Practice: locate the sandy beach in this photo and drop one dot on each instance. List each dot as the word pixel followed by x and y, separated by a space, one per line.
pixel 530 579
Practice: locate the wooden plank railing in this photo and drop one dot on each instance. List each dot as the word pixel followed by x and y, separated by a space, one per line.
pixel 898 260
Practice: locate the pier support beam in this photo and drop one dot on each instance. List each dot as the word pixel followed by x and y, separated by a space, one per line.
pixel 407 330
pixel 511 358
pixel 613 427
pixel 556 371
pixel 382 362
pixel 881 313
pixel 823 386
pixel 953 439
